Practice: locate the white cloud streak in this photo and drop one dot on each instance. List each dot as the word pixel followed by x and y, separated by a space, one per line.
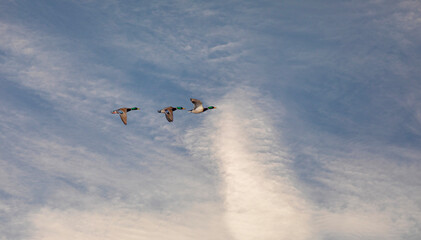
pixel 364 195
pixel 107 222
pixel 258 203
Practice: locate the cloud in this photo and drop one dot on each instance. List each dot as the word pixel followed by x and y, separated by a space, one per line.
pixel 68 170
pixel 259 202
pixel 354 225
pixel 108 222
pixel 55 156
pixel 360 191
pixel 36 61
pixel 409 15
pixel 351 192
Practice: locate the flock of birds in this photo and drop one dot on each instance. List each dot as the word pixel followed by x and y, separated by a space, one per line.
pixel 198 108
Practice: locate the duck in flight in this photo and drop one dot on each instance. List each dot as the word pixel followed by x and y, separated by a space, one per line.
pixel 169 112
pixel 198 106
pixel 123 113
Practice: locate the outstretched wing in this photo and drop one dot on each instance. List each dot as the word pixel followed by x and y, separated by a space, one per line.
pixel 117 111
pixel 169 114
pixel 197 103
pixel 123 115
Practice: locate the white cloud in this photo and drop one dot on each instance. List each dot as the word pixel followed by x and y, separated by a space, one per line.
pixel 239 137
pixel 363 191
pixel 109 222
pixel 354 225
pixel 361 195
pixel 65 78
pixel 237 154
pixel 63 172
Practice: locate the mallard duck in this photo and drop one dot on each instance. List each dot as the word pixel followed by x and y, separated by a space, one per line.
pixel 169 112
pixel 123 113
pixel 198 107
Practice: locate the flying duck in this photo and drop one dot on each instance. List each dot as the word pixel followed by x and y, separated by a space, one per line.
pixel 169 112
pixel 123 113
pixel 198 107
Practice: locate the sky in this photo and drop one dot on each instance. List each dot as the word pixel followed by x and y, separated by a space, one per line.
pixel 316 134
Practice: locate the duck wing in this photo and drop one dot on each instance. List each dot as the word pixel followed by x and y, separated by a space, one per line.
pixel 169 114
pixel 117 111
pixel 197 103
pixel 123 115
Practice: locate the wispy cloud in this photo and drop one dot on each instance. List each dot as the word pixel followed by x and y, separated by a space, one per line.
pixel 107 222
pixel 369 187
pixel 350 196
pixel 71 167
pixel 36 62
pixel 313 136
pixel 259 196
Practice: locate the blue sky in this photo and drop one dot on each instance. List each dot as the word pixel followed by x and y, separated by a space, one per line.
pixel 316 134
